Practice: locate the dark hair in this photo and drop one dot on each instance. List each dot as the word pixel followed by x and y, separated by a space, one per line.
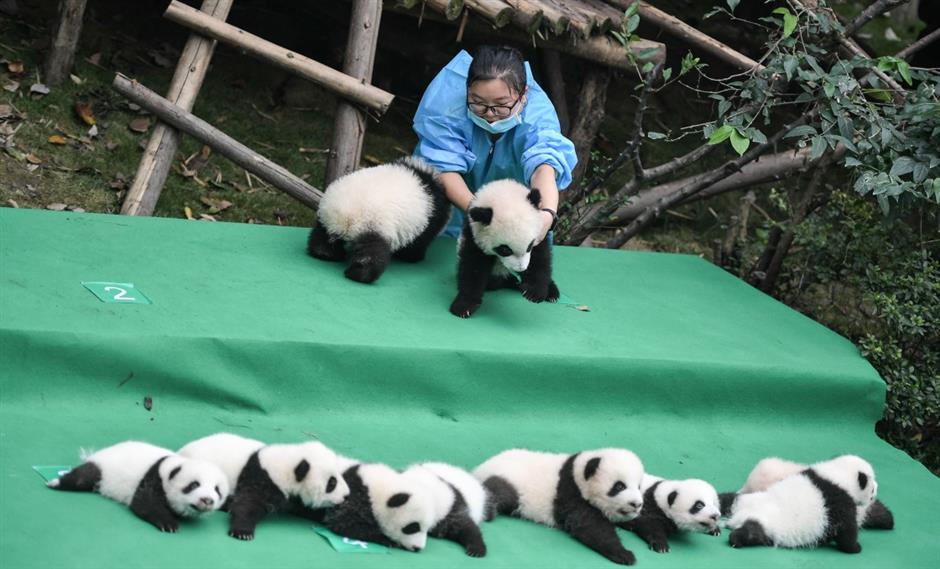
pixel 498 62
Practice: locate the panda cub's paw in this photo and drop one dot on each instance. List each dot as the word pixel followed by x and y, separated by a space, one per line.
pixel 463 308
pixel 244 535
pixel 168 526
pixel 659 546
pixel 476 550
pixel 553 292
pixel 363 272
pixel 622 557
pixel 535 292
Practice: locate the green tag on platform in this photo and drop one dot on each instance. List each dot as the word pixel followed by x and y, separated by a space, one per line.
pixel 347 545
pixel 50 472
pixel 118 293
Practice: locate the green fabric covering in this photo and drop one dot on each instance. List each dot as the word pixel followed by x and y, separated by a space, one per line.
pixel 687 366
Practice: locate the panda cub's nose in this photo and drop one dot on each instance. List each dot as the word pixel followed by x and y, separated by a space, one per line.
pixel 636 505
pixel 714 517
pixel 206 502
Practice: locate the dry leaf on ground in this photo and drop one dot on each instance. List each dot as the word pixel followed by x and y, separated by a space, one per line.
pixel 140 125
pixel 83 109
pixel 58 139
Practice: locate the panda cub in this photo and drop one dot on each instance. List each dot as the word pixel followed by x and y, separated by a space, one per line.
pixel 383 507
pixel 458 500
pixel 807 509
pixel 156 483
pixel 772 470
pixel 670 506
pixel 269 477
pixel 503 222
pixel 392 209
pixel 584 494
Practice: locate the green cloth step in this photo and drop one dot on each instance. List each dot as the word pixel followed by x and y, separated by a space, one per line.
pixel 689 367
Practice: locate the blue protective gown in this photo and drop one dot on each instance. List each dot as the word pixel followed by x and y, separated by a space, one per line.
pixel 449 141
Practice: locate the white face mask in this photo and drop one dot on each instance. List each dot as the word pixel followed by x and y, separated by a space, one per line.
pixel 497 127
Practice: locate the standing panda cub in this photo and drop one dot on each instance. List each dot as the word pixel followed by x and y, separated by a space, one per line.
pixel 383 507
pixel 807 509
pixel 670 506
pixel 503 222
pixel 389 210
pixel 772 470
pixel 458 500
pixel 270 477
pixel 583 494
pixel 157 484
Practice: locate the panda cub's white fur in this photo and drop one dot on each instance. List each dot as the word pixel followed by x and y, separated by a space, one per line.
pixel 669 506
pixel 583 493
pixel 771 470
pixel 515 222
pixel 268 477
pixel 405 520
pixel 798 510
pixel 187 487
pixel 458 500
pixel 348 208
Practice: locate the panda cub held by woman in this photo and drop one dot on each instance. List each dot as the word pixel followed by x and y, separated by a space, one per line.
pixel 373 214
pixel 583 494
pixel 811 508
pixel 503 223
pixel 671 506
pixel 158 484
pixel 771 470
pixel 270 478
pixel 401 509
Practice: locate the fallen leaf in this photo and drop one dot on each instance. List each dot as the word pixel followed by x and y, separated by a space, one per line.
pixel 32 167
pixel 95 58
pixel 216 206
pixel 76 79
pixel 206 217
pixel 110 145
pixel 12 86
pixel 133 106
pixel 140 125
pixel 83 109
pixel 77 209
pixel 583 308
pixel 15 67
pixel 188 212
pixel 372 159
pixel 12 203
pixel 16 154
pixel 33 159
pixel 56 206
pixel 58 139
pixel 38 89
pixel 93 131
pixel 6 111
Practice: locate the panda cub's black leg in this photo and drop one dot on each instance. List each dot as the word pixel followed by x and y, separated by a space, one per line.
pixel 847 538
pixel 320 245
pixel 82 478
pixel 726 501
pixel 149 501
pixel 653 530
pixel 501 498
pixel 473 272
pixel 415 252
pixel 878 516
pixel 369 257
pixel 537 284
pixel 750 533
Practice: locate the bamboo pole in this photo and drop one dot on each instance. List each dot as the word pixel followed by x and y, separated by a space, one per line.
pixel 344 85
pixel 161 149
pixel 68 29
pixel 349 125
pixel 222 143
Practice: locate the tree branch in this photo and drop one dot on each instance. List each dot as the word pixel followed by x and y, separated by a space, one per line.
pixel 919 44
pixel 875 9
pixel 653 212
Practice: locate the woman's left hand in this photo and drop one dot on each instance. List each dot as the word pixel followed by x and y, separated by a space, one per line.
pixel 547 220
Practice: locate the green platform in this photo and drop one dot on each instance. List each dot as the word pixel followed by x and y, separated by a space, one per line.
pixel 692 369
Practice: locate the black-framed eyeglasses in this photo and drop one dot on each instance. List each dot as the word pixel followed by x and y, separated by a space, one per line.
pixel 499 111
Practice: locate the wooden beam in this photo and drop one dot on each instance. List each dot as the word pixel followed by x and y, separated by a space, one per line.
pixel 222 143
pixel 68 29
pixel 161 149
pixel 342 84
pixel 674 26
pixel 349 124
pixel 496 12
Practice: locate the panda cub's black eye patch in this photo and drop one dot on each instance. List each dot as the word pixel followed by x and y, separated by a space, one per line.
pixel 617 488
pixel 190 487
pixel 219 492
pixel 412 528
pixel 331 484
pixel 697 507
pixel 503 251
pixel 529 248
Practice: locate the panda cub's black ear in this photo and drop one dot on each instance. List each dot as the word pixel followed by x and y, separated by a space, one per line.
pixel 301 470
pixel 397 500
pixel 591 467
pixel 535 197
pixel 482 215
pixel 672 497
pixel 862 480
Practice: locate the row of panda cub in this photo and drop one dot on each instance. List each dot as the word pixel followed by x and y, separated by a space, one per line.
pixel 587 494
pixel 369 216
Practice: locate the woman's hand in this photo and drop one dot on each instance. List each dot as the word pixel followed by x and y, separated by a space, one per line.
pixel 544 179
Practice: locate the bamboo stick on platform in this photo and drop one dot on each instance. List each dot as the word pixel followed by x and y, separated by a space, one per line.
pixel 276 175
pixel 342 84
pixel 161 149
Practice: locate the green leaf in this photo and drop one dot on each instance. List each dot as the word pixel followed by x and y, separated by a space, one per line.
pixel 902 166
pixel 620 37
pixel 721 134
pixel 905 70
pixel 733 4
pixel 790 64
pixel 723 107
pixel 632 23
pixel 648 52
pixel 801 130
pixel 829 89
pixel 789 21
pixel 652 135
pixel 739 142
pixel 647 67
pixel 667 73
pixel 818 147
pixel 631 9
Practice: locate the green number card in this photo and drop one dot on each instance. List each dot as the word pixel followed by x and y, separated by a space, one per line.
pixel 347 545
pixel 117 293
